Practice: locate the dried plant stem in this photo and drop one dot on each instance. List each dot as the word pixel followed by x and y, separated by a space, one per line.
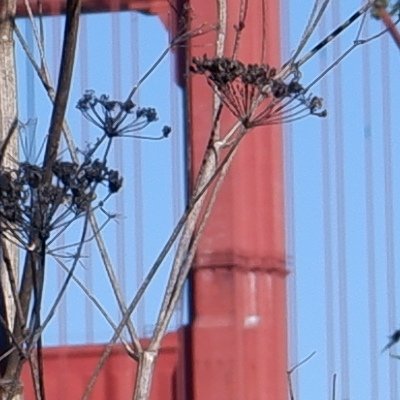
pixel 87 292
pixel 144 375
pixel 8 125
pixel 37 35
pixel 192 231
pixel 182 264
pixel 6 140
pixel 187 262
pixel 316 14
pixel 334 378
pixel 219 51
pixel 294 368
pixel 240 26
pixel 63 288
pixel 63 87
pixel 184 245
pixel 390 25
pixel 178 41
pixel 334 34
pixel 114 282
pixel 206 173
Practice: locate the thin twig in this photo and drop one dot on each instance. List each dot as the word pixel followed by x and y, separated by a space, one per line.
pixel 38 35
pixel 291 370
pixel 264 31
pixel 334 376
pixel 42 73
pixel 16 343
pixel 114 282
pixel 219 51
pixel 357 42
pixel 298 365
pixel 34 375
pixel 313 20
pixel 180 39
pixel 334 34
pixel 240 26
pixel 64 286
pixel 12 129
pixel 88 294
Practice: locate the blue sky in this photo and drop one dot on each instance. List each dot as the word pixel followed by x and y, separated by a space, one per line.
pixel 338 180
pixel 330 179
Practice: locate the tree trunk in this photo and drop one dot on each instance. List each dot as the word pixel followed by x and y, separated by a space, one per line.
pixel 8 127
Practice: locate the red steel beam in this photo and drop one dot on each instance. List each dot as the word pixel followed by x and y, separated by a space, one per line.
pixel 165 9
pixel 239 341
pixel 67 371
pixel 55 7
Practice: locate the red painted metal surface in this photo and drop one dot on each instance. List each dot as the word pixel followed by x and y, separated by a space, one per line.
pixel 162 8
pixel 55 7
pixel 239 307
pixel 67 371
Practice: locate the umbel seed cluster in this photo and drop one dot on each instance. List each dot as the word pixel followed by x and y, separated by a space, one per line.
pixel 254 93
pixel 27 200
